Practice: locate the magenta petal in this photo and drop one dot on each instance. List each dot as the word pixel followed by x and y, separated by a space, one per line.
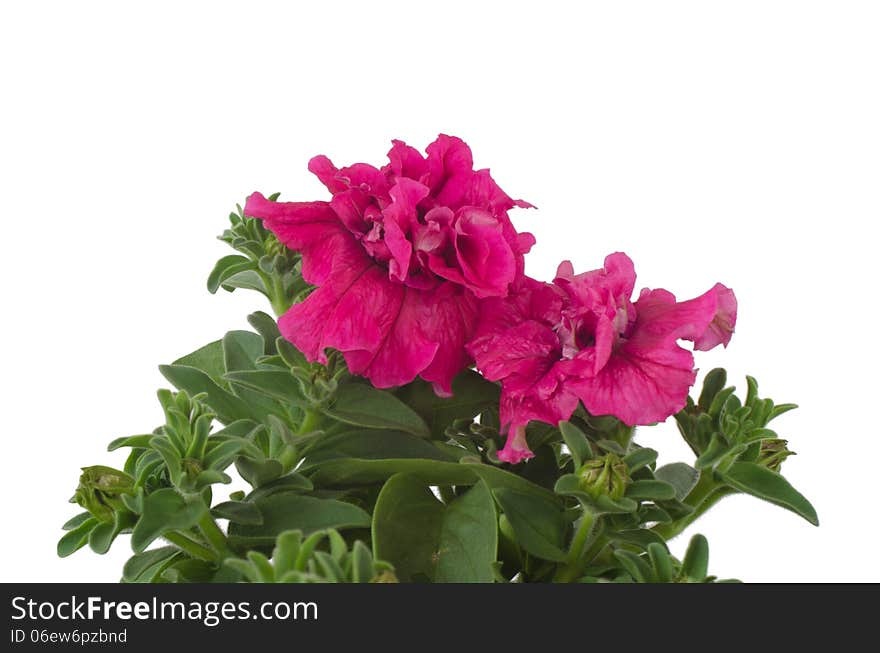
pixel 659 315
pixel 305 323
pixel 405 161
pixel 721 327
pixel 313 229
pixel 323 168
pixel 484 255
pixel 516 449
pixel 407 349
pixel 364 314
pixel 450 316
pixel 450 169
pixel 525 350
pixel 483 191
pixel 642 383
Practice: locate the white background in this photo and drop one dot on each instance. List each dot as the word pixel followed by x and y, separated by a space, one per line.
pixel 734 142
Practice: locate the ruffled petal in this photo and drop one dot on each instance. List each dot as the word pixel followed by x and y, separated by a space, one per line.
pixel 405 161
pixel 305 324
pixel 313 229
pixel 643 382
pixel 450 169
pixel 406 349
pixel 723 323
pixel 484 255
pixel 451 314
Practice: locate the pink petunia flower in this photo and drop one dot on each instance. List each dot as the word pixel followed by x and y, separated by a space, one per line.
pixel 401 257
pixel 581 338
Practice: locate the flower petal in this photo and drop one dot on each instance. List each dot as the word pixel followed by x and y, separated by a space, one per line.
pixel 406 349
pixel 721 327
pixel 643 382
pixel 313 229
pixel 484 256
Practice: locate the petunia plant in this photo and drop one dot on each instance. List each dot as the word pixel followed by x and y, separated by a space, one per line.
pixel 420 410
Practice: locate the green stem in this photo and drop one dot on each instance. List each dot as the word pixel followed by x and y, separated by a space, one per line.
pixel 575 561
pixel 289 456
pixel 275 289
pixel 195 549
pixel 311 418
pixel 215 536
pixel 705 494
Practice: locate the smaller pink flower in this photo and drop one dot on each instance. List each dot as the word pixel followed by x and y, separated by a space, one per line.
pixel 582 339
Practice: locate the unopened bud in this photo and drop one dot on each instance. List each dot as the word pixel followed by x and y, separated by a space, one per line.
pixel 100 489
pixel 605 476
pixel 772 453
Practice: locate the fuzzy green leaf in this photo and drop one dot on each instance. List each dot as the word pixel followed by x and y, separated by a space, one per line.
pixel 768 485
pixel 364 405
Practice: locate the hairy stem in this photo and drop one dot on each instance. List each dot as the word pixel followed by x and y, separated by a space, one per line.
pixel 705 494
pixel 215 536
pixel 576 561
pixel 195 549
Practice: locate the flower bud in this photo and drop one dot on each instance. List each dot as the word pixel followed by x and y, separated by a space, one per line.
pixel 604 476
pixel 100 489
pixel 772 453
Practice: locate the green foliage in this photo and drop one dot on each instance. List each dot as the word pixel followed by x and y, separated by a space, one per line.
pixel 349 483
pixel 264 265
pixel 322 557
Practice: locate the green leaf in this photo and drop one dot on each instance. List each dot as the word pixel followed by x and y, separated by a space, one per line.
pixel 364 405
pixel 354 471
pixel 277 384
pixel 241 350
pixel 539 525
pixel 227 267
pixel 641 537
pixel 371 444
pixel 288 510
pixel 208 359
pixel 165 510
pixel 768 485
pixel 421 536
pixel 134 441
pixel 661 561
pixel 577 443
pixel 247 279
pixel 290 482
pixel 651 490
pixel 641 457
pixel 471 395
pixel 712 385
pixel 361 563
pixel 680 476
pixel 76 538
pixel 267 327
pixel 74 522
pixel 258 473
pixel 696 560
pixel 291 356
pixel 227 406
pixel 634 565
pixel 139 565
pixel 240 512
pixel 102 536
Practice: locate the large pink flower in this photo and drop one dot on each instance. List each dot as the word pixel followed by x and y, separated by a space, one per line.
pixel 401 257
pixel 583 339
